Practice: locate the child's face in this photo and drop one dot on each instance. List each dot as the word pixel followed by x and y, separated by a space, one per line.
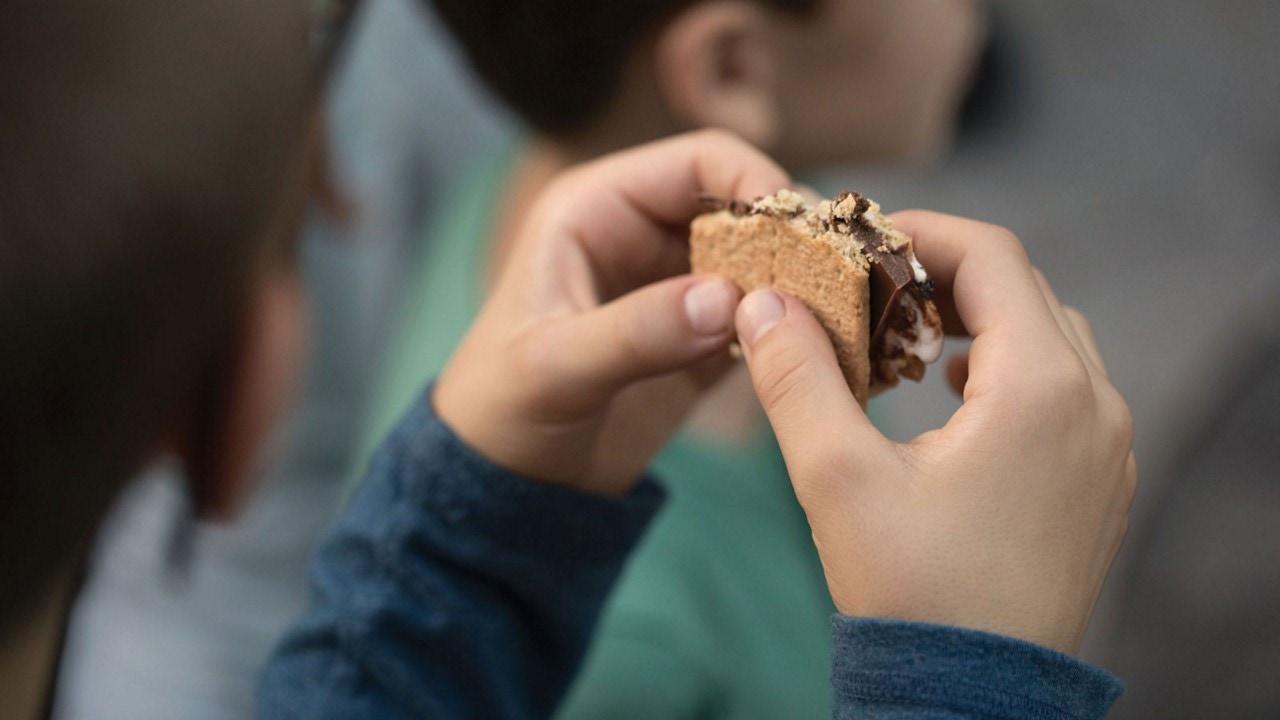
pixel 869 80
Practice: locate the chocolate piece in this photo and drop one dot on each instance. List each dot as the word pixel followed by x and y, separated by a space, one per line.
pixel 891 273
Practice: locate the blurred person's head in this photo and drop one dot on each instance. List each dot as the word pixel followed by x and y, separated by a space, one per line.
pixel 151 158
pixel 812 81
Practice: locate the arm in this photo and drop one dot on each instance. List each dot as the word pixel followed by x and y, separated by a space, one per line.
pixel 452 589
pixel 456 587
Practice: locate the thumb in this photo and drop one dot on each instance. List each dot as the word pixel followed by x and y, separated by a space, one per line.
pixel 798 380
pixel 652 331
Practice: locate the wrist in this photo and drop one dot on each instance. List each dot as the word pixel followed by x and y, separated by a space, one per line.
pixel 1039 625
pixel 546 453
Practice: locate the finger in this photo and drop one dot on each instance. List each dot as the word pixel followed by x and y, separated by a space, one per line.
pixel 1084 330
pixel 658 329
pixel 663 180
pixel 630 211
pixel 798 380
pixel 982 269
pixel 643 417
pixel 1088 351
pixel 986 283
pixel 958 372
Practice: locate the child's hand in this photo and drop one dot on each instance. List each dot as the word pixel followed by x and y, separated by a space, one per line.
pixel 1007 518
pixel 593 345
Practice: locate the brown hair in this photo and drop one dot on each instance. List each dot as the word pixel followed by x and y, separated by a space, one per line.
pixel 141 148
pixel 557 63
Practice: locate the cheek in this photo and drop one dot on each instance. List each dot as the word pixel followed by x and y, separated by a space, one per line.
pixel 941 50
pixel 881 80
pixel 930 64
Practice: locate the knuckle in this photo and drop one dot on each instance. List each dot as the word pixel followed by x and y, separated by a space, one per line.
pixel 531 357
pixel 630 333
pixel 1130 481
pixel 779 379
pixel 553 206
pixel 1123 422
pixel 1003 241
pixel 534 362
pixel 1066 382
pixel 1059 392
pixel 1004 238
pixel 1117 417
pixel 1078 318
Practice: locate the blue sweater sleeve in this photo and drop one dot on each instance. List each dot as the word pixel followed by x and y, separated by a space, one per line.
pixel 451 589
pixel 894 670
pixel 454 589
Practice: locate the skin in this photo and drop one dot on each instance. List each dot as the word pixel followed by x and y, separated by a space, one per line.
pixel 1006 519
pixel 597 269
pixel 873 80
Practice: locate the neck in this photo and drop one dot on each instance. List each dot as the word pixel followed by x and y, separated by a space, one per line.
pixel 29 655
pixel 538 162
pixel 637 116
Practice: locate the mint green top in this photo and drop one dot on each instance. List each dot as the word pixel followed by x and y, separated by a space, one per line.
pixel 723 611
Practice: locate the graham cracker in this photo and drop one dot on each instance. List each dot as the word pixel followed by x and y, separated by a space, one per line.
pixel 819 268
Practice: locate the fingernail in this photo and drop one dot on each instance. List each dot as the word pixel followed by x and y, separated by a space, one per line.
pixel 761 310
pixel 709 306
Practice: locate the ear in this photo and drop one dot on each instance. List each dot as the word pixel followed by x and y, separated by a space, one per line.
pixel 716 67
pixel 249 395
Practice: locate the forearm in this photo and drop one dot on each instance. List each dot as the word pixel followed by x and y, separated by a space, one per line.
pixel 452 588
pixel 894 670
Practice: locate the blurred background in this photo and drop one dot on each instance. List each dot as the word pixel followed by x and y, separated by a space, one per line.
pixel 1134 147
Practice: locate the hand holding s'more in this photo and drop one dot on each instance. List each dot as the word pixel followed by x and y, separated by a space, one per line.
pixel 1004 519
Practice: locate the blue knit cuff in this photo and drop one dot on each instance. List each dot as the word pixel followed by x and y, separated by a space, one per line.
pixel 885 668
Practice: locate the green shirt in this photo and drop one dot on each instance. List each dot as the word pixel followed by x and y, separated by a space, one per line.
pixel 723 611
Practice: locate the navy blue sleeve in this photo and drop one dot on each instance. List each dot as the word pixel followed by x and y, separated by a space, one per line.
pixel 451 588
pixel 894 670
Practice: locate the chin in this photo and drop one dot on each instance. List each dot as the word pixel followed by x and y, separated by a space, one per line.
pixel 924 145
